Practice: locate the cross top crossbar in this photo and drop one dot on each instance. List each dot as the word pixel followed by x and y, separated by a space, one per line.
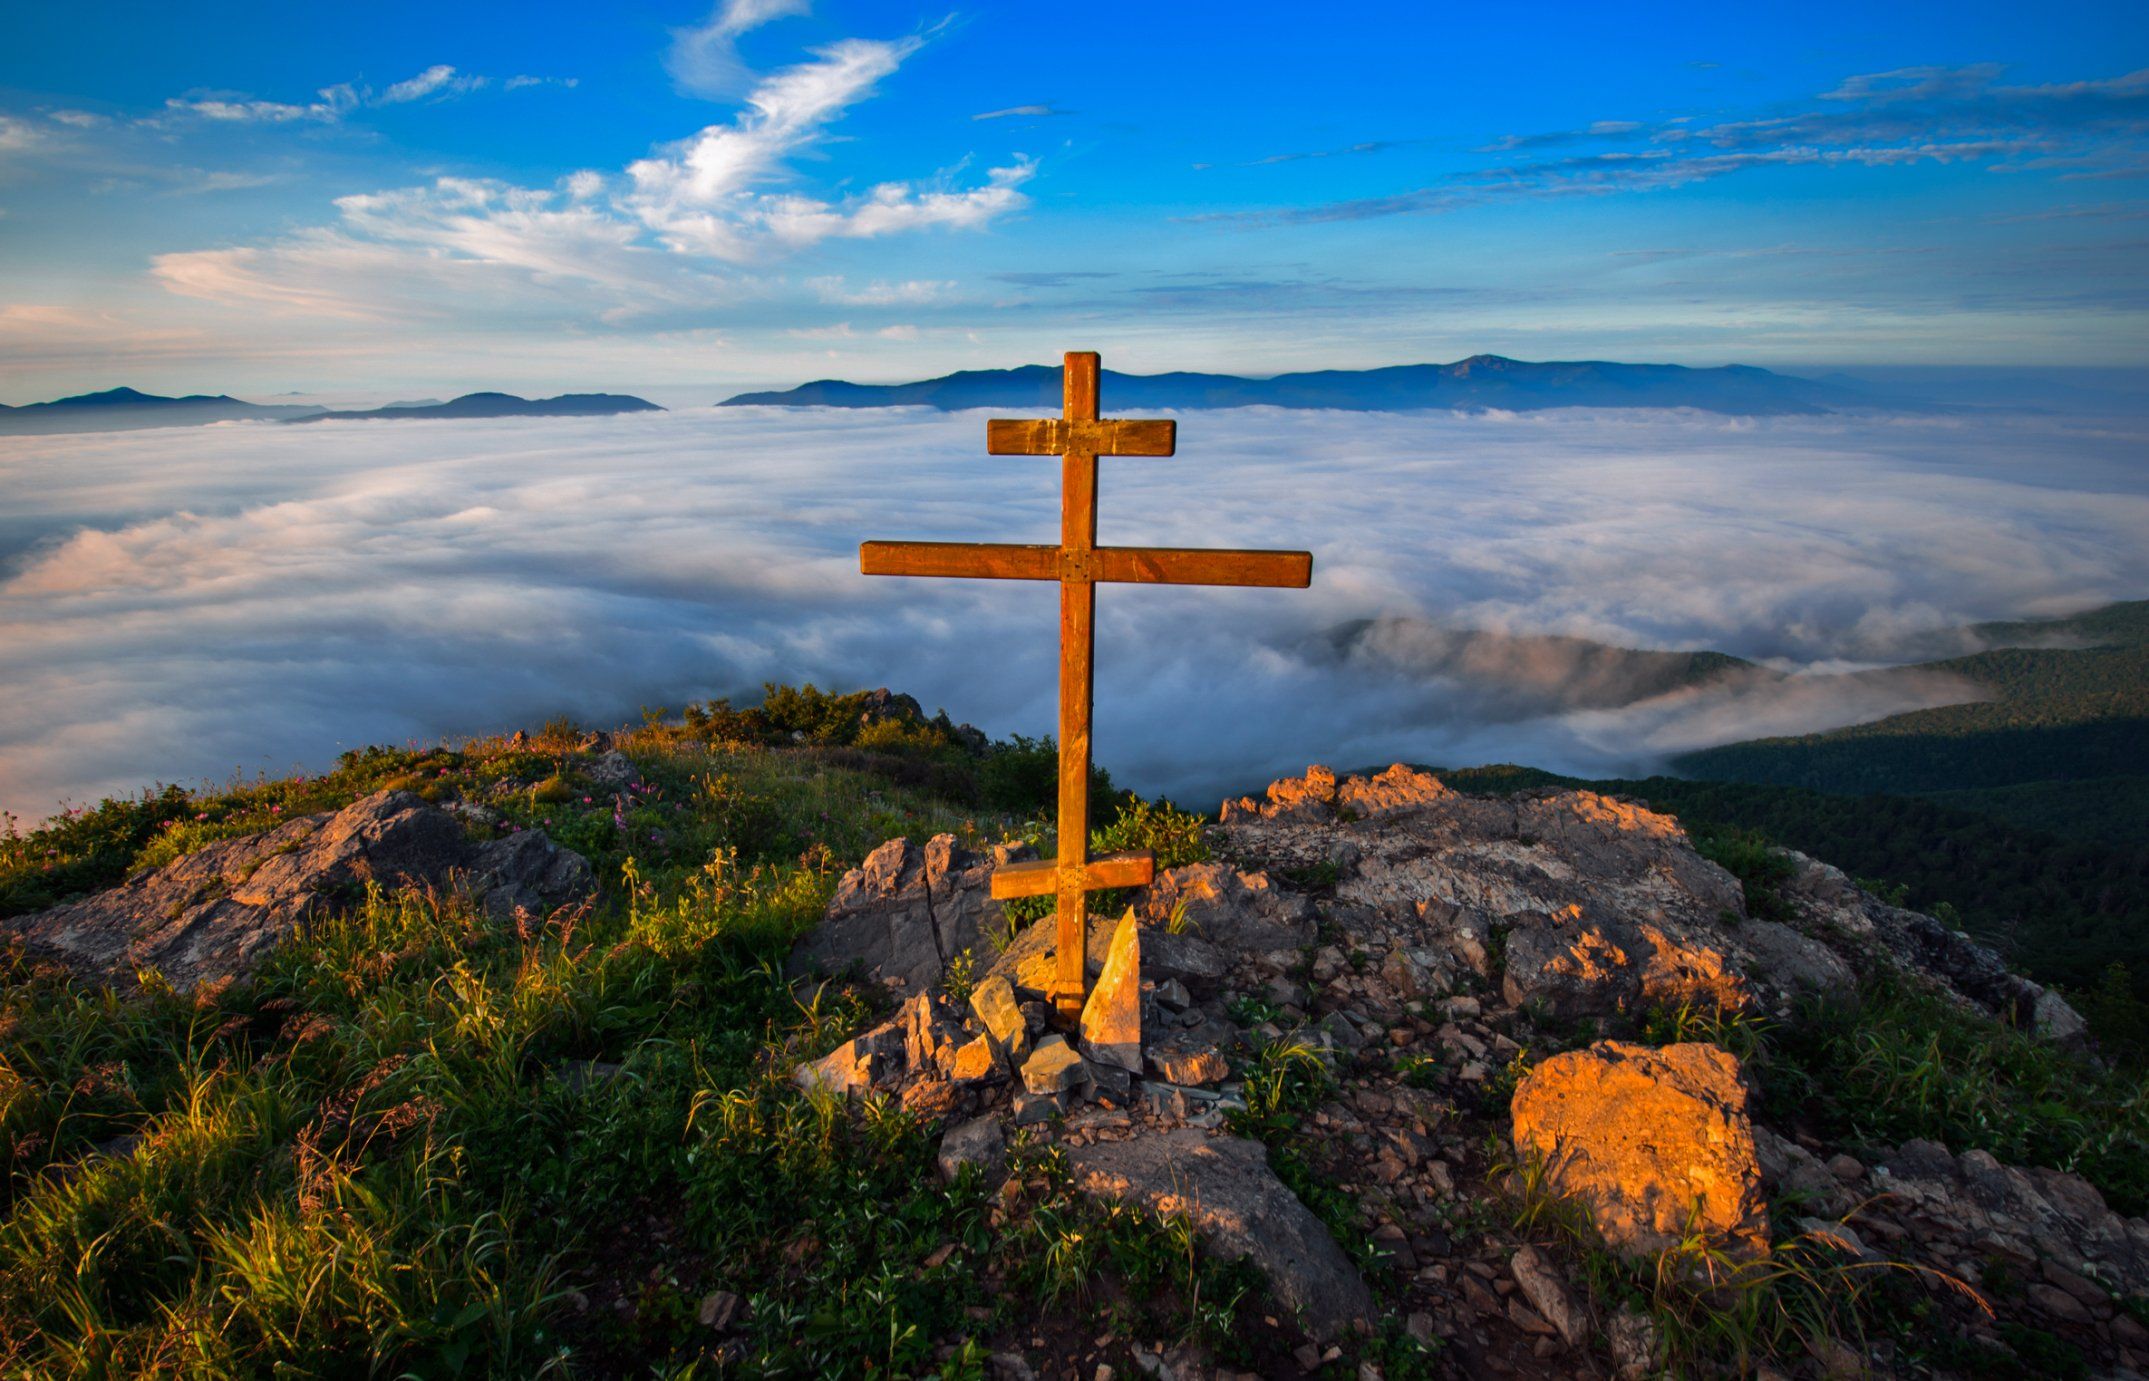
pixel 1079 436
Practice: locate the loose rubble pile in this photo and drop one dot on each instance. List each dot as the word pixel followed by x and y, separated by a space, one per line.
pixel 212 914
pixel 1418 939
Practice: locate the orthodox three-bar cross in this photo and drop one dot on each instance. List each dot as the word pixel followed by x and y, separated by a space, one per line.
pixel 1078 437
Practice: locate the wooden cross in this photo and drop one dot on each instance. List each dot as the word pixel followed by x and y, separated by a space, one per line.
pixel 1078 437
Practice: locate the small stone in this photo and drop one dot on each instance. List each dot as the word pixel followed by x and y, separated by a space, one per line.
pixel 1112 1018
pixel 929 1101
pixel 1109 1081
pixel 1053 1067
pixel 719 1310
pixel 1549 1295
pixel 993 1000
pixel 1846 1168
pixel 1177 1060
pixel 975 1062
pixel 1172 994
pixel 977 1142
pixel 1033 1108
pixel 1634 1343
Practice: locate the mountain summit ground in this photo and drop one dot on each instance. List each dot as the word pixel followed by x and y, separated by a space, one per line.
pixel 702 1049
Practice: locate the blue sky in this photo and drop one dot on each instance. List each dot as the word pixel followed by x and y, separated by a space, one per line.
pixel 410 198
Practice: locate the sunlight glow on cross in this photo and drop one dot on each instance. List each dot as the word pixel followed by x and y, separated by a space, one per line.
pixel 1078 437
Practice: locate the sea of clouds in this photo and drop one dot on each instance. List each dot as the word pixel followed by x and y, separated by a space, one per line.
pixel 180 605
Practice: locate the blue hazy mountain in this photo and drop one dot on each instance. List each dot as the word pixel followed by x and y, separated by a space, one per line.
pixel 1482 381
pixel 126 409
pixel 499 405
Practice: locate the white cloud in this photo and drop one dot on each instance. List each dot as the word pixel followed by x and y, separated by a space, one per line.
pixel 17 136
pixel 436 80
pixel 719 194
pixel 333 104
pixel 704 58
pixel 1015 111
pixel 881 294
pixel 179 603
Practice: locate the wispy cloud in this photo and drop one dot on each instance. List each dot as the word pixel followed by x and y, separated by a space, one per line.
pixel 1035 112
pixel 881 294
pixel 438 80
pixel 843 330
pixel 619 245
pixel 704 58
pixel 332 104
pixel 1597 129
pixel 17 136
pixel 1345 151
pixel 1885 119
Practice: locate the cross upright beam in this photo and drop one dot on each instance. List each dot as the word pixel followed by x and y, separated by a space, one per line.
pixel 1079 436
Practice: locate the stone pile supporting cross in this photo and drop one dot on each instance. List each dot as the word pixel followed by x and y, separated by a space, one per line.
pixel 1079 436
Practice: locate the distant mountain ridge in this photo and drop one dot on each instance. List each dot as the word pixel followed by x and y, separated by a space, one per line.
pixel 497 405
pixel 1481 381
pixel 127 409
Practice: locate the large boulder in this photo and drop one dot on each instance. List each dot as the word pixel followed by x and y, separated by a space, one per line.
pixel 1577 903
pixel 212 914
pixel 1657 1143
pixel 1225 1187
pixel 900 916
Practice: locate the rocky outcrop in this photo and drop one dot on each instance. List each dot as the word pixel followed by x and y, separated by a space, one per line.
pixel 1224 1185
pixel 1416 941
pixel 900 916
pixel 1657 1142
pixel 1831 905
pixel 212 914
pixel 2034 1219
pixel 1584 905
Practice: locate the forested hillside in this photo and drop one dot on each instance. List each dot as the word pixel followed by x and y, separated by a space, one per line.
pixel 2062 745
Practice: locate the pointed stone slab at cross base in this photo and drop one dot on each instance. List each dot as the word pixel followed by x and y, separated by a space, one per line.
pixel 1112 1018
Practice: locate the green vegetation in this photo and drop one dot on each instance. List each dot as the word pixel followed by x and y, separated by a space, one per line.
pixel 2063 911
pixel 2060 743
pixel 420 1142
pixel 1717 1312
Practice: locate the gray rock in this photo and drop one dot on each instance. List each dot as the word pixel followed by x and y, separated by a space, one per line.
pixel 1053 1067
pixel 2027 1214
pixel 1548 1294
pixel 903 914
pixel 977 1142
pixel 1028 962
pixel 1829 904
pixel 1224 1185
pixel 1230 909
pixel 873 1060
pixel 214 913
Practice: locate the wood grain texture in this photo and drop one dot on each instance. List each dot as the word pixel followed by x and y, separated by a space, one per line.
pixel 1078 618
pixel 1041 878
pixel 1202 566
pixel 1054 436
pixel 984 560
pixel 1078 436
pixel 1113 565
